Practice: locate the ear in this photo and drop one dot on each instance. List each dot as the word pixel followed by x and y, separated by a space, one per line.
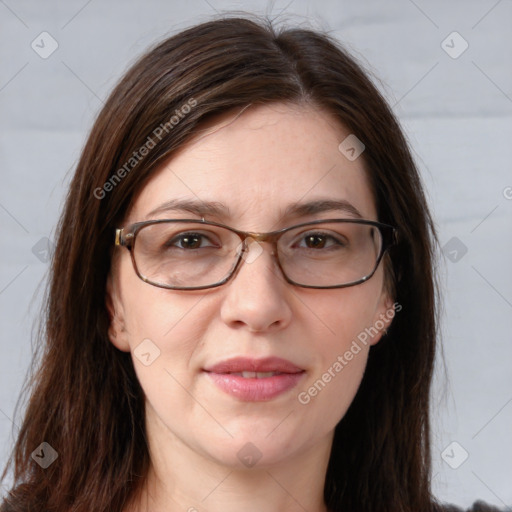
pixel 117 329
pixel 384 314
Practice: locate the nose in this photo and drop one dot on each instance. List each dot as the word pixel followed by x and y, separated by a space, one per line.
pixel 257 296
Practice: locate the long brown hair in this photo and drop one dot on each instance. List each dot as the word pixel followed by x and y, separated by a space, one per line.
pixel 85 399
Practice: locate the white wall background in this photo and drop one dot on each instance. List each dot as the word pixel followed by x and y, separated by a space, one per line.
pixel 456 111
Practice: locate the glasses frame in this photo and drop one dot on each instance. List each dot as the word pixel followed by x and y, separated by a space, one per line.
pixel 126 237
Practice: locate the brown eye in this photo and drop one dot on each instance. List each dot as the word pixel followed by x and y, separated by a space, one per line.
pixel 315 241
pixel 319 241
pixel 189 241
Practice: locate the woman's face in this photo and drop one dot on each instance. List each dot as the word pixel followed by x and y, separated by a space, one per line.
pixel 254 167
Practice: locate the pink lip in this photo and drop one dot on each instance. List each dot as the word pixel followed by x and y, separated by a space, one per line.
pixel 247 364
pixel 255 389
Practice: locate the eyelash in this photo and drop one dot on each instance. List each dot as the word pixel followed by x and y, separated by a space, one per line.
pixel 177 239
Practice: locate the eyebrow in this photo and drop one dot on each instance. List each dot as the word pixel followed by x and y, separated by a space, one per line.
pixel 320 206
pixel 201 208
pixel 217 209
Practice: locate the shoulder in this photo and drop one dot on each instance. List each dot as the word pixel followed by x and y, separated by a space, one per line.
pixel 478 506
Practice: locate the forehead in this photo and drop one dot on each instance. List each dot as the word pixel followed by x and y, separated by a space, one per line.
pixel 257 163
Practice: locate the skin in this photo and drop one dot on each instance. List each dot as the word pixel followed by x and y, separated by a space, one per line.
pixel 257 164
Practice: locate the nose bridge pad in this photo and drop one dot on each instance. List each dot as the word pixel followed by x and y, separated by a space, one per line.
pixel 252 246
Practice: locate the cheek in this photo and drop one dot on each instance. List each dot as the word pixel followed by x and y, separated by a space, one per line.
pixel 164 329
pixel 172 329
pixel 331 388
pixel 342 316
pixel 341 343
pixel 168 318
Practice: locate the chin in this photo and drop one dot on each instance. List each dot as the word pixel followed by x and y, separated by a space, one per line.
pixel 260 448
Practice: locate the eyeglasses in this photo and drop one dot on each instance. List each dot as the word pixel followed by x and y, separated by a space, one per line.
pixel 188 254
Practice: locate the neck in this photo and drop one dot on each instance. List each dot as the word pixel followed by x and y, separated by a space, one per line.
pixel 181 478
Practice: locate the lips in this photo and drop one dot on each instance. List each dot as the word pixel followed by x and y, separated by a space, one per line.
pixel 255 380
pixel 255 375
pixel 245 364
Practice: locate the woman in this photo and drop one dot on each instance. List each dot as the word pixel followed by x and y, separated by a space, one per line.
pixel 242 309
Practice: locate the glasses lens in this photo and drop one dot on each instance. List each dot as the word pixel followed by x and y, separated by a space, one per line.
pixel 330 254
pixel 185 255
